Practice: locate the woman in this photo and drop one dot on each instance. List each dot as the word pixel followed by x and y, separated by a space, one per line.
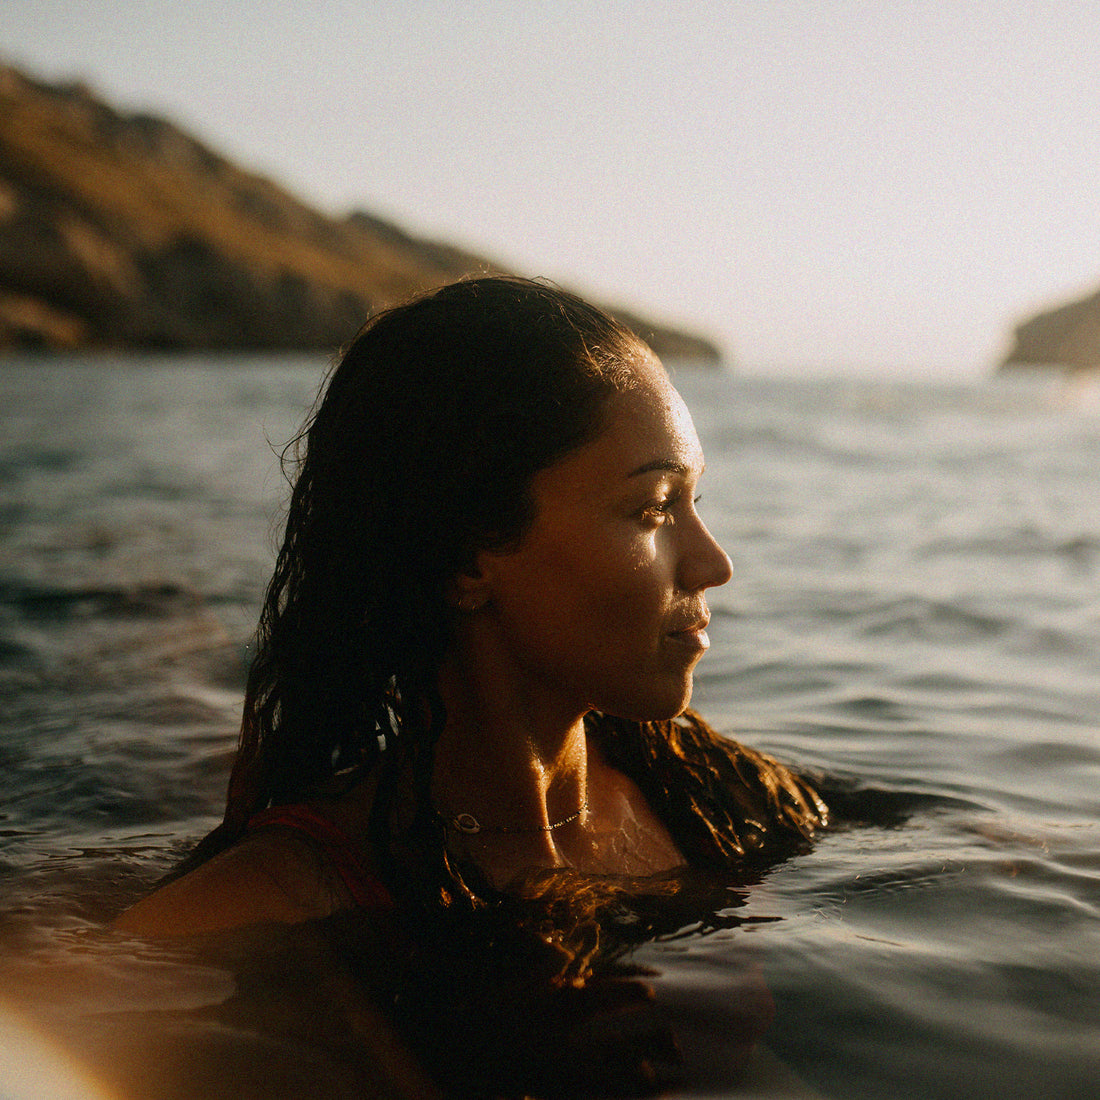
pixel 476 653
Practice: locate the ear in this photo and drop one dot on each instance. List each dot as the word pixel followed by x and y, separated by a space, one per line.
pixel 469 591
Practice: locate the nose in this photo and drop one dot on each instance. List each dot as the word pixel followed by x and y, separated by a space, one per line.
pixel 704 564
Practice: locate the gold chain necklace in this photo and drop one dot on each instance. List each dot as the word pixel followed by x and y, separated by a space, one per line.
pixel 467 823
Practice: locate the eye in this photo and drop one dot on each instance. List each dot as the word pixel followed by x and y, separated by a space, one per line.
pixel 657 513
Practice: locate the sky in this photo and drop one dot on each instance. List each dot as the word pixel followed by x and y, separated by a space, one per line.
pixel 824 187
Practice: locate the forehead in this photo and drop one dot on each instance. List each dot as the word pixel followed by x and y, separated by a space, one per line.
pixel 645 426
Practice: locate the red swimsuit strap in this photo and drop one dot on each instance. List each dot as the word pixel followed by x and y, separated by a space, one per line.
pixel 365 888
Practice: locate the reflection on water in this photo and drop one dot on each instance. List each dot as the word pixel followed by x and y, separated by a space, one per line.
pixel 309 1011
pixel 915 611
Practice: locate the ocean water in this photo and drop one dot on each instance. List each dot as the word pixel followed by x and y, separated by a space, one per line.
pixel 914 612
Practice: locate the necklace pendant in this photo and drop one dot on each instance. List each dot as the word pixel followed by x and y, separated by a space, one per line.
pixel 466 823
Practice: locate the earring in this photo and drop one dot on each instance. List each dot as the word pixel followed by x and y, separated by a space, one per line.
pixel 471 603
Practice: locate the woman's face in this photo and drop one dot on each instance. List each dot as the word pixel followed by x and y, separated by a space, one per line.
pixel 602 605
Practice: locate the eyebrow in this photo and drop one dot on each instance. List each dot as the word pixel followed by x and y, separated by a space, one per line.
pixel 666 464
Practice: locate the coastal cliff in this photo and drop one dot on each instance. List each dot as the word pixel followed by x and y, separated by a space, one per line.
pixel 122 231
pixel 1067 336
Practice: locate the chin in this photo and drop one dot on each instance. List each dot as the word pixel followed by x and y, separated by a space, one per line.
pixel 657 707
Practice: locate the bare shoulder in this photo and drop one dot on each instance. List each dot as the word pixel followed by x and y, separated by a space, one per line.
pixel 270 877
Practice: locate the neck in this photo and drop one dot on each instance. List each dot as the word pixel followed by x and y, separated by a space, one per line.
pixel 511 763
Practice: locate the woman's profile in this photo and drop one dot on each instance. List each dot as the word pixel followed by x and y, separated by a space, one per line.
pixel 474 662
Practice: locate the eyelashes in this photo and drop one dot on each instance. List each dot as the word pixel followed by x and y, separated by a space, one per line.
pixel 662 512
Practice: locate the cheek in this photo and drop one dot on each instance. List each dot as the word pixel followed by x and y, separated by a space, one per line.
pixel 626 591
pixel 617 573
pixel 586 591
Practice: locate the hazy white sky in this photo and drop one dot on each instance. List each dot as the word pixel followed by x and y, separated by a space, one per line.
pixel 831 185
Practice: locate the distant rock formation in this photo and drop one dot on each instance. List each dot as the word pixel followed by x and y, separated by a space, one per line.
pixel 121 231
pixel 1068 336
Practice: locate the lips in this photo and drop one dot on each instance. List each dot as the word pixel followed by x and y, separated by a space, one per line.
pixel 693 636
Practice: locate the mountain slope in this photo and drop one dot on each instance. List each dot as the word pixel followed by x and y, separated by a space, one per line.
pixel 123 231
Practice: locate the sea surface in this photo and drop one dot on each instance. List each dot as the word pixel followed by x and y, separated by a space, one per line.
pixel 914 613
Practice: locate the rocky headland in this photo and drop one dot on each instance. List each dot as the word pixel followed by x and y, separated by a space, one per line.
pixel 121 231
pixel 1067 336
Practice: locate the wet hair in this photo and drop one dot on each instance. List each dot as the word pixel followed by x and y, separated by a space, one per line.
pixel 420 454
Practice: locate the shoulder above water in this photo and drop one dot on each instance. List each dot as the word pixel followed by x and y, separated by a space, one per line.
pixel 269 877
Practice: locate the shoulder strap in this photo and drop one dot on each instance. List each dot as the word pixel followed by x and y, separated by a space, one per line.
pixel 365 888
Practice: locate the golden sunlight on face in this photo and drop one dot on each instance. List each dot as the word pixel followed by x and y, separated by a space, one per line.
pixel 603 605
